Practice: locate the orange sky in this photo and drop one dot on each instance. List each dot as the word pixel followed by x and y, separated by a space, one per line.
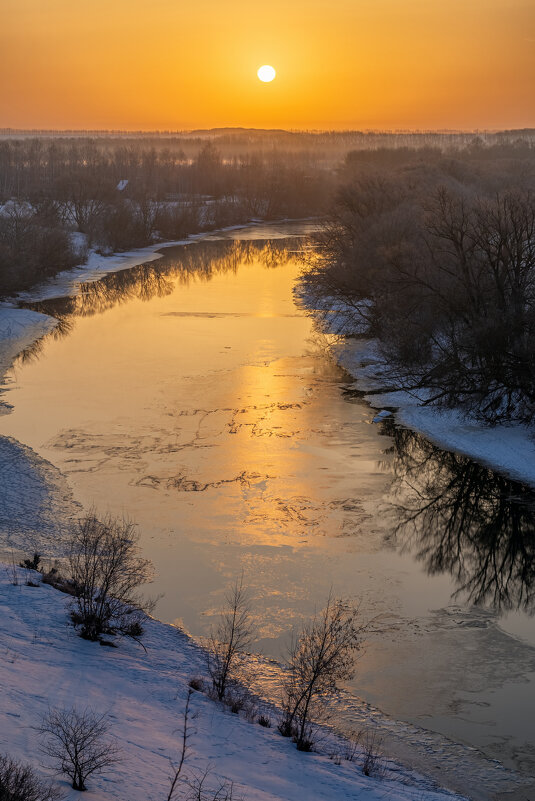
pixel 178 64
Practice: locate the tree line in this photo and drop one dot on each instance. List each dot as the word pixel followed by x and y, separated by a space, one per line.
pixel 435 257
pixel 61 196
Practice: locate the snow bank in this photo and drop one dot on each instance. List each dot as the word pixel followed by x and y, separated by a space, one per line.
pixel 45 665
pixel 18 329
pixel 507 448
pixel 35 499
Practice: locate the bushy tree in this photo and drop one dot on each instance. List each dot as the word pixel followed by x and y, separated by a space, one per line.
pixel 107 572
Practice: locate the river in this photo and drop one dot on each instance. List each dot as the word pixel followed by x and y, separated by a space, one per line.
pixel 194 396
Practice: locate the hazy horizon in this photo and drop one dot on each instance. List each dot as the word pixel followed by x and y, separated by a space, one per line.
pixel 8 130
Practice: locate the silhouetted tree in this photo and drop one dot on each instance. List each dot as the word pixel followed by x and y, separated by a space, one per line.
pixel 78 744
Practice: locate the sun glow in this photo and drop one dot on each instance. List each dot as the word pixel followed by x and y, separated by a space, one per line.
pixel 266 73
pixel 342 65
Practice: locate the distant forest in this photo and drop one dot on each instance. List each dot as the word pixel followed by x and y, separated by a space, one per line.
pixel 63 194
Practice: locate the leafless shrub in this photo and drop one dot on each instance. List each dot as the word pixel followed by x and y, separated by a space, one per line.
pixel 19 782
pixel 30 565
pixel 349 748
pixel 107 572
pixel 250 709
pixel 235 701
pixel 336 757
pixel 55 578
pixel 322 655
pixel 199 790
pixel 78 744
pixel 228 640
pixel 13 572
pixel 33 563
pixel 352 746
pixel 264 721
pixel 197 683
pixel 373 761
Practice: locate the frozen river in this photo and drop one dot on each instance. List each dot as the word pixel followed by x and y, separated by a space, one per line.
pixel 193 395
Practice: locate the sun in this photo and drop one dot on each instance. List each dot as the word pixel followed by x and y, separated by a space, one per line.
pixel 266 73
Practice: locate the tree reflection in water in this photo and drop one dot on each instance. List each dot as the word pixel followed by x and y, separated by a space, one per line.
pixel 199 261
pixel 459 517
pixel 454 514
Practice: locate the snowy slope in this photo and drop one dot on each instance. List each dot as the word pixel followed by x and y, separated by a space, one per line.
pixel 44 664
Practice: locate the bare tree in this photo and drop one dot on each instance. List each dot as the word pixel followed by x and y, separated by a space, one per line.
pixel 199 791
pixel 322 654
pixel 177 769
pixel 197 788
pixel 229 639
pixel 78 744
pixel 19 782
pixel 107 572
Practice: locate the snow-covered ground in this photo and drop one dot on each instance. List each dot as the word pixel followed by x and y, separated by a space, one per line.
pixel 45 665
pixel 510 449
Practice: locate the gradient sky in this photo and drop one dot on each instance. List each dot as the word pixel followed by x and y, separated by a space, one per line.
pixel 179 64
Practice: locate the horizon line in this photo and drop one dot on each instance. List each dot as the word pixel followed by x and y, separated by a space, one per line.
pixel 230 128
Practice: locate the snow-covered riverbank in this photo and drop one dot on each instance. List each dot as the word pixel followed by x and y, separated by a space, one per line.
pixel 507 448
pixel 46 665
pixel 19 328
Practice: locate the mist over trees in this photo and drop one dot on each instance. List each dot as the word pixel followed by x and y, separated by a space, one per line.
pixel 435 257
pixel 62 195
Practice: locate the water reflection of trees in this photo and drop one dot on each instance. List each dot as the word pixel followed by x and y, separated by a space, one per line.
pixel 462 518
pixel 199 261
